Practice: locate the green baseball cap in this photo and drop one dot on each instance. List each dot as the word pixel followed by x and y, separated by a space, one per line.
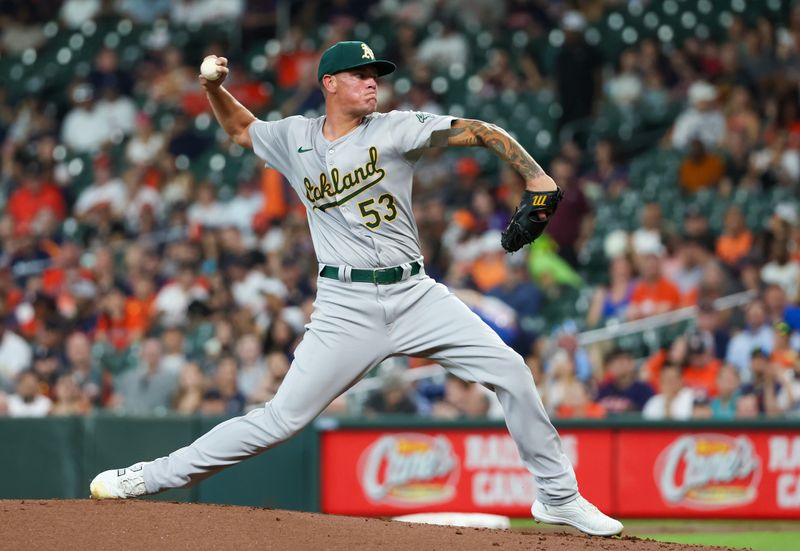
pixel 343 56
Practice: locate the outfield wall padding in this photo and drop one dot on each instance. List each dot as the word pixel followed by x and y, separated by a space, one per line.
pixel 401 465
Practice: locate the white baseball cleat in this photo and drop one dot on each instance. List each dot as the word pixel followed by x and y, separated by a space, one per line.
pixel 578 513
pixel 119 483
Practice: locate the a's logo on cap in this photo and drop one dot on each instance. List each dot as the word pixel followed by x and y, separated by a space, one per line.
pixel 367 52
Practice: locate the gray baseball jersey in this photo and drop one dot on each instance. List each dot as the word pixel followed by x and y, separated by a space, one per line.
pixel 357 189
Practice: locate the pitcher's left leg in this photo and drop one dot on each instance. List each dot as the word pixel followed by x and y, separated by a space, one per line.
pixel 442 328
pixel 437 325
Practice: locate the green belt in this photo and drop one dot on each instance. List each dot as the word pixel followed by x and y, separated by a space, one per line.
pixel 384 276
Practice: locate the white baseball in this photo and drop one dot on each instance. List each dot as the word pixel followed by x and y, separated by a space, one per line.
pixel 209 68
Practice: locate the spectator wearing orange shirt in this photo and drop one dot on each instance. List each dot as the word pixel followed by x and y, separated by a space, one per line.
pixel 64 270
pixel 489 268
pixel 139 307
pixel 34 196
pixel 736 240
pixel 693 353
pixel 700 169
pixel 701 369
pixel 782 352
pixel 293 59
pixel 112 323
pixel 653 293
pixel 576 403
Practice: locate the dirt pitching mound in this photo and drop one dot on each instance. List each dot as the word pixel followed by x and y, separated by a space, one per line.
pixel 154 525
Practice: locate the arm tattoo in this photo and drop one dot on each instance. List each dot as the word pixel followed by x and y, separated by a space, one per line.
pixel 498 140
pixel 456 136
pixel 443 138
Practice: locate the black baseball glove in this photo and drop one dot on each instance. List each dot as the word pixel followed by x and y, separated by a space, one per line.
pixel 531 218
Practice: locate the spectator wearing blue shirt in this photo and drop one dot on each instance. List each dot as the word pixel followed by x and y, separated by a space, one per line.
pixel 566 341
pixel 224 398
pixel 708 323
pixel 611 301
pixel 521 294
pixel 621 391
pixel 757 334
pixel 728 383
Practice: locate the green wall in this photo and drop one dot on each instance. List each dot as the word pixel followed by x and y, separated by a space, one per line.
pixel 57 458
pixel 42 458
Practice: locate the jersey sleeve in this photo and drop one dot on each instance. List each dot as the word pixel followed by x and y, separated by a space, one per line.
pixel 270 142
pixel 411 130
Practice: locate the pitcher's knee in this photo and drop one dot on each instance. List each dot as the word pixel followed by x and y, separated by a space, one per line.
pixel 515 377
pixel 285 424
pixel 521 374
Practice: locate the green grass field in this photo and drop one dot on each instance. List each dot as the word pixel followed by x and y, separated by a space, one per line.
pixel 758 535
pixel 762 541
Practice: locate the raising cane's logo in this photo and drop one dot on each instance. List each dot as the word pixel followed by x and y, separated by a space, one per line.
pixel 708 471
pixel 409 470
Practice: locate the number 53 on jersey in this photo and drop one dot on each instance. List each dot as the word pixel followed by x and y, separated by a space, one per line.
pixel 384 209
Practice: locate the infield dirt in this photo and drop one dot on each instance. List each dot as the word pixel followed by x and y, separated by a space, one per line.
pixel 152 525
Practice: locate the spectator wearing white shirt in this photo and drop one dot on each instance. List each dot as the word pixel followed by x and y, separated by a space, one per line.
pixel 143 202
pixel 146 144
pixel 789 395
pixel 118 112
pixel 28 400
pixel 84 129
pixel 15 352
pixel 241 210
pixel 203 12
pixel 75 13
pixel 757 334
pixel 107 196
pixel 445 49
pixel 172 301
pixel 144 12
pixel 251 288
pixel 778 162
pixel 21 31
pixel 782 270
pixel 625 88
pixel 207 211
pixel 674 401
pixel 252 365
pixel 174 353
pixel 703 119
pixel 15 356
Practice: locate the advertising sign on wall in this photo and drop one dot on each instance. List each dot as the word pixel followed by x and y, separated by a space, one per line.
pixel 385 473
pixel 625 472
pixel 711 474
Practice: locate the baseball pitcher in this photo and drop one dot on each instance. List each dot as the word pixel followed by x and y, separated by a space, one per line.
pixel 352 169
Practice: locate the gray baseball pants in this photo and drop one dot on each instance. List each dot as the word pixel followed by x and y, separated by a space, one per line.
pixel 353 328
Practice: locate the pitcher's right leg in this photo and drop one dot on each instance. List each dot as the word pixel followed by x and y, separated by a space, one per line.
pixel 344 340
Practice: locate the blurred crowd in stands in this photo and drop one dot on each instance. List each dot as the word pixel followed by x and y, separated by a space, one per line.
pixel 148 265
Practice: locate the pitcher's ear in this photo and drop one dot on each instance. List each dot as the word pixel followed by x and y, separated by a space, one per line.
pixel 329 83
